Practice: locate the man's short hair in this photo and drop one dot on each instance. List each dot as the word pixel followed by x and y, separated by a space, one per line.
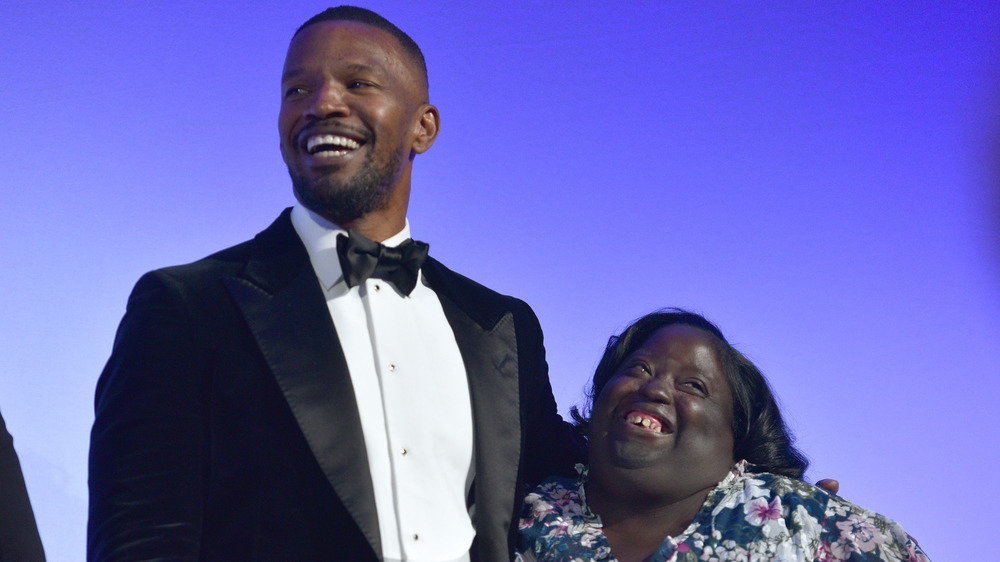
pixel 368 17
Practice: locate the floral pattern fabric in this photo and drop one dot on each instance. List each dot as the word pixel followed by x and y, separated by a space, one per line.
pixel 751 515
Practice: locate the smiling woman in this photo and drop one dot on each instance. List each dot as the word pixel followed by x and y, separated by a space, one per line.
pixel 689 459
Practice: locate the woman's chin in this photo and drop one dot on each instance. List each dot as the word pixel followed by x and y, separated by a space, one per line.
pixel 632 455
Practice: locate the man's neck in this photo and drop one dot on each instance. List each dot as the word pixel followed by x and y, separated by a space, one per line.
pixel 375 227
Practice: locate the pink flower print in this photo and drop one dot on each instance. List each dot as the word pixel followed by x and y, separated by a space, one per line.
pixel 760 512
pixel 541 509
pixel 589 538
pixel 859 533
pixel 560 494
pixel 561 523
pixel 913 554
pixel 562 498
pixel 825 554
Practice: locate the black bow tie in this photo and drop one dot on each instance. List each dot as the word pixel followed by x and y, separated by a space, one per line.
pixel 361 258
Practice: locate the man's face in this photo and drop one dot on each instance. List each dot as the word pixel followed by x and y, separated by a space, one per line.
pixel 350 110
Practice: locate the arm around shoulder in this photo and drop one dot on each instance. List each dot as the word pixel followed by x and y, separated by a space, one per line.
pixel 552 446
pixel 853 531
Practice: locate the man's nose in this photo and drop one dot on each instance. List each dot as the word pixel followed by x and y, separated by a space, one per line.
pixel 329 101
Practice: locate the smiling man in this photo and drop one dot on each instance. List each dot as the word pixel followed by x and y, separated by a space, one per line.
pixel 354 113
pixel 325 391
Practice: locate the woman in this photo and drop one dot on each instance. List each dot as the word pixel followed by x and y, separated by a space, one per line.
pixel 690 460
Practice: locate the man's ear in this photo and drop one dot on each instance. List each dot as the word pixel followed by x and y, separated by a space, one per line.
pixel 426 128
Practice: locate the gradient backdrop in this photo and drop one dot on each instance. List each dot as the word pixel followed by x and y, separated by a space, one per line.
pixel 819 178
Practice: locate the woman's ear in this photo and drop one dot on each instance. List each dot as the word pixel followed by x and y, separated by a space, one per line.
pixel 426 128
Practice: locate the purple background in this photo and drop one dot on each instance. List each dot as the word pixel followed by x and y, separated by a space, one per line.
pixel 820 179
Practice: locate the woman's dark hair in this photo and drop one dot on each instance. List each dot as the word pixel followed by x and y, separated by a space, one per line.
pixel 759 432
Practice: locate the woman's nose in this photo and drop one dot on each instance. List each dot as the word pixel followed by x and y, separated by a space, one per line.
pixel 658 389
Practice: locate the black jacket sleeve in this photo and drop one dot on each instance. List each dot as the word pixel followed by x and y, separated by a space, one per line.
pixel 19 540
pixel 145 473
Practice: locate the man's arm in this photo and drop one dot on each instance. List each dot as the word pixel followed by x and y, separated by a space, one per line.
pixel 552 446
pixel 146 447
pixel 18 534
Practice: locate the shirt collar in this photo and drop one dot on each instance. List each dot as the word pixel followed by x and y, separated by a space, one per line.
pixel 319 236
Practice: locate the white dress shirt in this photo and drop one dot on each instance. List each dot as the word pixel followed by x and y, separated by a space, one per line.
pixel 413 398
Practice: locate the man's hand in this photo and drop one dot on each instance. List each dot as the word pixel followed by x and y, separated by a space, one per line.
pixel 829 485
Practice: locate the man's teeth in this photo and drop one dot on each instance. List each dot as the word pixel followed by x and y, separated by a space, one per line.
pixel 331 143
pixel 648 423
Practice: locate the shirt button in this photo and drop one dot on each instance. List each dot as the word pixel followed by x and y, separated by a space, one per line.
pixel 392 367
pixel 416 537
pixel 378 287
pixel 402 451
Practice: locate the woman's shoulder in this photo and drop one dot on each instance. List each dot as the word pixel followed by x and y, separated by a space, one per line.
pixel 754 502
pixel 557 524
pixel 557 496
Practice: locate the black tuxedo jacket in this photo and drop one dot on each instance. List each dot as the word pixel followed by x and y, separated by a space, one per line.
pixel 226 426
pixel 19 541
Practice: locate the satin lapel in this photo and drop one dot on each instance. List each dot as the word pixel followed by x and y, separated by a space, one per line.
pixel 490 357
pixel 284 307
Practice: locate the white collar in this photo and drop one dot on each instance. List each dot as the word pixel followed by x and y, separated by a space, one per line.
pixel 319 236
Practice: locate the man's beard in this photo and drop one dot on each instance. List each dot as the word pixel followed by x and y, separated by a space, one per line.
pixel 344 202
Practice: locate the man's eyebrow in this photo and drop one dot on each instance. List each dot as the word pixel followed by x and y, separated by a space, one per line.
pixel 361 67
pixel 292 73
pixel 351 67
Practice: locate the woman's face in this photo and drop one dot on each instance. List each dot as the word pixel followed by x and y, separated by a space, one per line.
pixel 667 412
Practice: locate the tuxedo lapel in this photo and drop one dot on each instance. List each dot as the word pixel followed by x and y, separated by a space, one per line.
pixel 487 340
pixel 284 307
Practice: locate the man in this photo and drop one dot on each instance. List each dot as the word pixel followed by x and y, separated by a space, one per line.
pixel 290 398
pixel 19 540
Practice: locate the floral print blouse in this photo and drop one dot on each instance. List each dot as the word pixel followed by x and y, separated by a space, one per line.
pixel 750 515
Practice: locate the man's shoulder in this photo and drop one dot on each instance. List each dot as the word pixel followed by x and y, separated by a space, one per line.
pixel 486 306
pixel 444 278
pixel 469 293
pixel 229 261
pixel 198 285
pixel 277 243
